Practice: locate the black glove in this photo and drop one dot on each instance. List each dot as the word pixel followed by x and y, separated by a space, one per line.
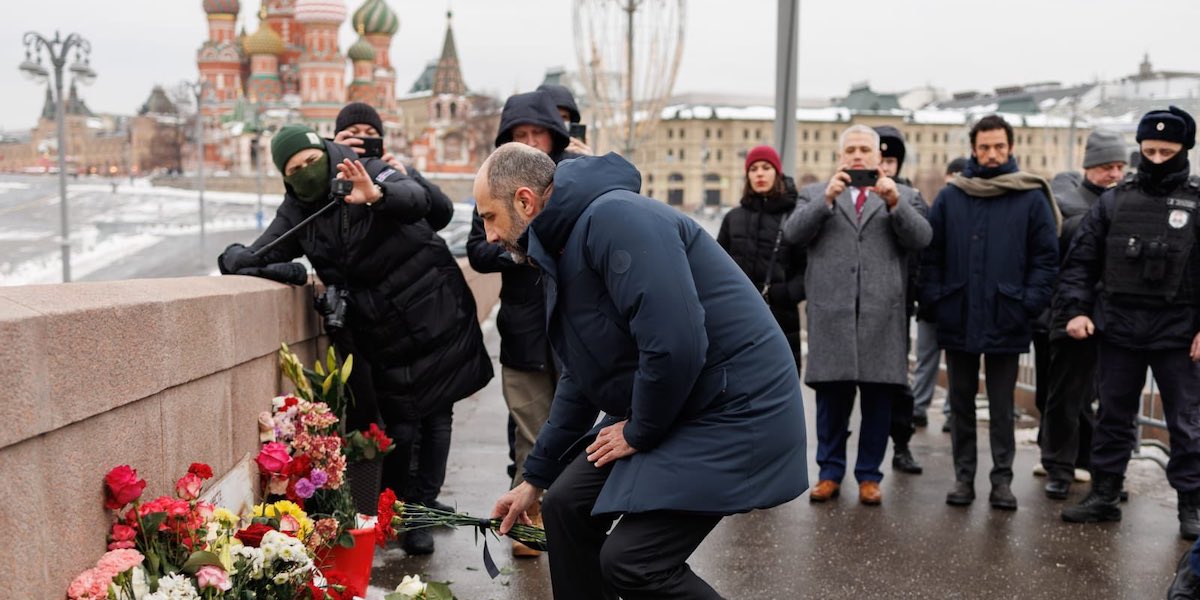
pixel 288 272
pixel 237 257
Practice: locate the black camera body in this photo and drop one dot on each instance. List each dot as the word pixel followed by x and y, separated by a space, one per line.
pixel 332 306
pixel 341 188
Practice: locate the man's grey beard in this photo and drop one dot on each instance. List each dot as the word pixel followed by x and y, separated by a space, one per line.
pixel 518 255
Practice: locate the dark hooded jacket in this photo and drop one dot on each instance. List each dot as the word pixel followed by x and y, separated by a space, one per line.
pixel 655 324
pixel 749 233
pixel 563 98
pixel 411 321
pixel 990 268
pixel 521 320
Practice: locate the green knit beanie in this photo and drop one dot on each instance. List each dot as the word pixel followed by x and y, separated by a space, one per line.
pixel 292 139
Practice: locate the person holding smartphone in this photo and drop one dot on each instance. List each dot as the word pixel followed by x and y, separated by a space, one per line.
pixel 858 236
pixel 564 100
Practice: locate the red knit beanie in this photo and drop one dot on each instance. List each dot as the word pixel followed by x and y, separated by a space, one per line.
pixel 766 153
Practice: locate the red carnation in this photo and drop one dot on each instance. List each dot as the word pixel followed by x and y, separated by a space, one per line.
pixel 383 523
pixel 252 536
pixel 122 486
pixel 290 401
pixel 201 470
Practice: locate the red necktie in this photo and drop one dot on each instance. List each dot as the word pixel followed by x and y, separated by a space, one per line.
pixel 862 199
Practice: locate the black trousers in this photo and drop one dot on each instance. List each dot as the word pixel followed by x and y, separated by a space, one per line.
pixel 902 426
pixel 1122 377
pixel 1065 436
pixel 642 558
pixel 1041 375
pixel 426 443
pixel 963 374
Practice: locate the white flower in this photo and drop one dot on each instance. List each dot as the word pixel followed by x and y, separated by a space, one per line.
pixel 250 559
pixel 176 587
pixel 411 586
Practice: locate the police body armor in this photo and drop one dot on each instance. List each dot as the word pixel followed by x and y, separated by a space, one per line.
pixel 1148 251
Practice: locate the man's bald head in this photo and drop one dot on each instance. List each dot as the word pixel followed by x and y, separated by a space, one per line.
pixel 510 189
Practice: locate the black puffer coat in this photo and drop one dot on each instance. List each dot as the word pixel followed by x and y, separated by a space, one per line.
pixel 411 322
pixel 521 320
pixel 748 233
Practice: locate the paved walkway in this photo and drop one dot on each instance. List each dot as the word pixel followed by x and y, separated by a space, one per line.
pixel 913 546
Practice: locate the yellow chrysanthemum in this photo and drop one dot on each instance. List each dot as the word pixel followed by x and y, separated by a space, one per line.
pixel 286 508
pixel 225 518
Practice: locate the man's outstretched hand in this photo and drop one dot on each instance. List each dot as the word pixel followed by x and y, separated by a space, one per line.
pixel 515 505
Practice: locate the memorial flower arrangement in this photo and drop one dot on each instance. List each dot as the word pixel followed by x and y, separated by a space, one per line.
pixel 182 548
pixel 303 456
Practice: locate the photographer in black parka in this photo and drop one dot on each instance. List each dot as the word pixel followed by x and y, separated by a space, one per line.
pixel 409 318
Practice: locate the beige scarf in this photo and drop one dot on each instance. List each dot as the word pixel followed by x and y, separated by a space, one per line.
pixel 1009 182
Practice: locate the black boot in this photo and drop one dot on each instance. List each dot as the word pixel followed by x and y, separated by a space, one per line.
pixel 962 494
pixel 1057 489
pixel 417 542
pixel 1101 504
pixel 1189 515
pixel 1187 584
pixel 903 461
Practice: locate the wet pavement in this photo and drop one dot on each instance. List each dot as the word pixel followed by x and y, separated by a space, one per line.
pixel 913 546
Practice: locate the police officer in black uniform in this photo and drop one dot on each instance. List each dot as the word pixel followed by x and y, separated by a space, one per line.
pixel 1132 279
pixel 892 148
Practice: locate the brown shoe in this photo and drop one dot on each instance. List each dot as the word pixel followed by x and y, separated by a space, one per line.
pixel 825 489
pixel 869 494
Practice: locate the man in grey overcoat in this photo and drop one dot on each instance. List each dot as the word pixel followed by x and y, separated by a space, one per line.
pixel 858 241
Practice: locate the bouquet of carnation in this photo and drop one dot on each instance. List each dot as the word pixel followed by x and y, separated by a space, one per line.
pixel 367 445
pixel 397 517
pixel 181 548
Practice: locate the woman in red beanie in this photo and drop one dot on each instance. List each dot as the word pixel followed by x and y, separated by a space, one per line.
pixel 752 235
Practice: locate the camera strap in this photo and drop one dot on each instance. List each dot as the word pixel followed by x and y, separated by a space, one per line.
pixel 766 286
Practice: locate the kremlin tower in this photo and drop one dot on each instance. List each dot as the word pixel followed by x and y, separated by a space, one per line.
pixel 322 66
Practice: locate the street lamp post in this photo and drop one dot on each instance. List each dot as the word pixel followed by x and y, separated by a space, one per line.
pixel 256 152
pixel 58 50
pixel 197 89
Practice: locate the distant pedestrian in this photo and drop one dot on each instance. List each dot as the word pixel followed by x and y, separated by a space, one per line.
pixel 988 273
pixel 858 240
pixel 752 234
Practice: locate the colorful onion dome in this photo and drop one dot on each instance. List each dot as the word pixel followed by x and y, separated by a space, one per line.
pixel 376 17
pixel 320 11
pixel 222 7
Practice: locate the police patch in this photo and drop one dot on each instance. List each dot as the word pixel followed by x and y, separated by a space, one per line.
pixel 1180 203
pixel 1178 219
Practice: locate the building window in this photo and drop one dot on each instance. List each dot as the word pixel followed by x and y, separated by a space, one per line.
pixel 918 137
pixel 804 156
pixel 670 134
pixel 719 155
pixel 745 134
pixel 758 134
pixel 681 132
pixel 675 197
pixel 707 133
pixel 718 134
pixel 804 135
pixel 670 152
pixel 453 110
pixel 946 137
pixel 1043 161
pixel 817 135
pixel 681 154
pixel 437 111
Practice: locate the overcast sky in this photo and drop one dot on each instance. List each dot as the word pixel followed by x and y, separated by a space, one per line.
pixel 506 46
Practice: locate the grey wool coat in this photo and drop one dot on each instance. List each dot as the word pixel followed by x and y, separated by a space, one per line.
pixel 856 281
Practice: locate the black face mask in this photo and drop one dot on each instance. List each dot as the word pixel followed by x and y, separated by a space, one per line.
pixel 1163 177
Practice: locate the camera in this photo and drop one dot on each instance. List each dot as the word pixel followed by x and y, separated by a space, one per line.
pixel 332 306
pixel 862 178
pixel 341 188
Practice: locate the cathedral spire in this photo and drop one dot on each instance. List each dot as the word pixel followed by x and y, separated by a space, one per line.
pixel 448 79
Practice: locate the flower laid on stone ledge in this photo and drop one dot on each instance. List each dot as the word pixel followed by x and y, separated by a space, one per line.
pixel 183 548
pixel 371 444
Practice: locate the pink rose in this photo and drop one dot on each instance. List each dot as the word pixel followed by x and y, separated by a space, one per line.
pixel 289 525
pixel 188 486
pixel 273 457
pixel 210 576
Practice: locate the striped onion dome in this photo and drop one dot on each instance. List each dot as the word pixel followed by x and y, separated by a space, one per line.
pixel 320 11
pixel 222 7
pixel 376 17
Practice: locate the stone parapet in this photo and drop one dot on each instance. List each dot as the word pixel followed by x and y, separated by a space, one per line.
pixel 151 373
